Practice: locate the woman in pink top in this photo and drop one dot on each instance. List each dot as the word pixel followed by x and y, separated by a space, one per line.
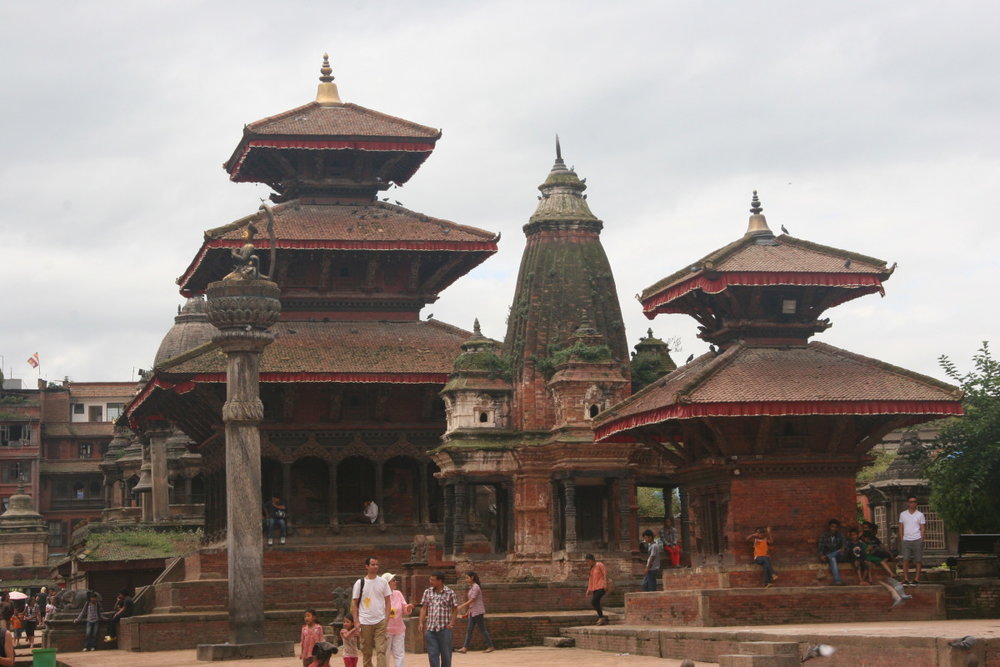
pixel 395 630
pixel 476 611
pixel 312 633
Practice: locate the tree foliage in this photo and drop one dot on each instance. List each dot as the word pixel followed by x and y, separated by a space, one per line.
pixel 964 461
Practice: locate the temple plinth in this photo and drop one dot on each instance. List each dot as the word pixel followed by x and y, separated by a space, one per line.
pixel 243 310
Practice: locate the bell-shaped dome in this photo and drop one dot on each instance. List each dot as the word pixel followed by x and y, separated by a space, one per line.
pixel 191 329
pixel 20 507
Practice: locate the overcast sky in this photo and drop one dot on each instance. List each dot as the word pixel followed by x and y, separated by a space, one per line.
pixel 870 126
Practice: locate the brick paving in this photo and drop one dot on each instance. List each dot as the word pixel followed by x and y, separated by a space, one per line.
pixel 556 657
pixel 517 657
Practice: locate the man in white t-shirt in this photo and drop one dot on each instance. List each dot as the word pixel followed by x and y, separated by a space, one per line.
pixel 370 605
pixel 911 540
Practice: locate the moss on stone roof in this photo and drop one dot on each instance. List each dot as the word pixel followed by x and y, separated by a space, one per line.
pixel 139 545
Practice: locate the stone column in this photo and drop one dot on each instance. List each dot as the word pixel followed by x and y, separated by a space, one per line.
pixel 624 513
pixel 188 494
pixel 461 511
pixel 449 518
pixel 569 488
pixel 243 311
pixel 160 500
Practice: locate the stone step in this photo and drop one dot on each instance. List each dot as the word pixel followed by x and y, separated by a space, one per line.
pixel 758 661
pixel 769 648
pixel 559 642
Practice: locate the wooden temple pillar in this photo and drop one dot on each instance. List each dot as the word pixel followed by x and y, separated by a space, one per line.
pixel 286 481
pixel 685 528
pixel 425 501
pixel 380 495
pixel 332 501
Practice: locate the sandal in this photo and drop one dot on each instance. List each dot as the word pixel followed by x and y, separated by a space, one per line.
pixel 462 650
pixel 489 650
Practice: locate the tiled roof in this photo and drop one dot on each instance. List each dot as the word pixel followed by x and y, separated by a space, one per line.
pixel 787 256
pixel 375 221
pixel 339 120
pixel 371 348
pixel 102 389
pixel 814 379
pixel 70 467
pixel 80 429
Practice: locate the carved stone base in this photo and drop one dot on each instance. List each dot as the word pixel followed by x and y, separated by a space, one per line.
pixel 213 652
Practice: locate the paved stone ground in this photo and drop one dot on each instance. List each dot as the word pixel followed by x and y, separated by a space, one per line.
pixel 515 657
pixel 555 657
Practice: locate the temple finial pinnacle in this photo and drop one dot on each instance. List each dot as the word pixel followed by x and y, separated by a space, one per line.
pixel 326 71
pixel 650 332
pixel 475 328
pixel 558 150
pixel 326 92
pixel 755 206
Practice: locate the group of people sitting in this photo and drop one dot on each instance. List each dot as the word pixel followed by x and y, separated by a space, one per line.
pixel 858 546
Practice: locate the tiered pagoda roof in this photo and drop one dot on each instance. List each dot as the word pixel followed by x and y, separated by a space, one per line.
pixel 747 380
pixel 760 298
pixel 330 224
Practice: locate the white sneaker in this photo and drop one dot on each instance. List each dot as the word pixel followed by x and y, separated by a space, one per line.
pixel 270 541
pixel 282 540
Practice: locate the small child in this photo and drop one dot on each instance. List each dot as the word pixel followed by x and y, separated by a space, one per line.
pixel 312 634
pixel 17 627
pixel 856 555
pixel 762 539
pixel 349 635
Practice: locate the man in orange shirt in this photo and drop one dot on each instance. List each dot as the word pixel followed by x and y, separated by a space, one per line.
pixel 762 540
pixel 596 586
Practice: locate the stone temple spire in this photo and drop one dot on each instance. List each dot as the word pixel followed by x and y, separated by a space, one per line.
pixel 564 279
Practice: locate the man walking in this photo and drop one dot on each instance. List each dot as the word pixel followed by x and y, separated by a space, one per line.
pixel 438 609
pixel 911 540
pixel 652 561
pixel 597 583
pixel 370 605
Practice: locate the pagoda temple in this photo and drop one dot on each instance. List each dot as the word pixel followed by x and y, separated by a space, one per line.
pixel 769 427
pixel 350 384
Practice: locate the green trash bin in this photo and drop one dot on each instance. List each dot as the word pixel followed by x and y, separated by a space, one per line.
pixel 43 657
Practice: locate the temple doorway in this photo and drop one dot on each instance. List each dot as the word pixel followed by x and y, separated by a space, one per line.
pixel 355 485
pixel 308 502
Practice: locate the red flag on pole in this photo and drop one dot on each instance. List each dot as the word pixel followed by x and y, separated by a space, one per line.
pixel 33 360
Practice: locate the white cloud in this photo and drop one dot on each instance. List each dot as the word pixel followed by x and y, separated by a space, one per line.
pixel 866 127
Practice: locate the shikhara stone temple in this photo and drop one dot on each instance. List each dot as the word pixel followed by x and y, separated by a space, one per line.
pixel 512 457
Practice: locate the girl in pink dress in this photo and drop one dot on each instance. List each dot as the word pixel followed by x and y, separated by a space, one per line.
pixel 312 633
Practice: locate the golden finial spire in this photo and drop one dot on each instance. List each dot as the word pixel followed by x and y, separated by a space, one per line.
pixel 326 93
pixel 758 223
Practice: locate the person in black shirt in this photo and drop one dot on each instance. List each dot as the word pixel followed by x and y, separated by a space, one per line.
pixel 831 549
pixel 122 609
pixel 277 515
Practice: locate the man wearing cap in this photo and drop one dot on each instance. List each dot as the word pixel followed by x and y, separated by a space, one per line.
pixel 370 606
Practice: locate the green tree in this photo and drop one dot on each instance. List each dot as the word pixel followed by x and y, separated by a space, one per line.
pixel 963 463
